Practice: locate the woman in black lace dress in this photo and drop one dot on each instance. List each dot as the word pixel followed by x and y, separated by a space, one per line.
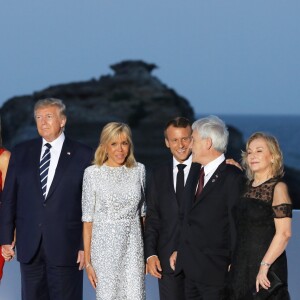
pixel 264 222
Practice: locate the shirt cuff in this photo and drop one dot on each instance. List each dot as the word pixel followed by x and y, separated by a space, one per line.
pixel 150 257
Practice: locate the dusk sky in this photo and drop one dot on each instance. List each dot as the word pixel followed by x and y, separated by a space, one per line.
pixel 224 56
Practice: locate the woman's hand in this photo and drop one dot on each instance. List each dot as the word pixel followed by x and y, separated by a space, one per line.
pixel 262 279
pixel 231 161
pixel 8 251
pixel 91 275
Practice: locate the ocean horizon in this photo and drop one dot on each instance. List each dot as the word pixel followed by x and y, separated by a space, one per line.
pixel 285 128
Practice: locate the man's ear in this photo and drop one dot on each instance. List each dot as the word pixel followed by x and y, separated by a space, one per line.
pixel 208 143
pixel 167 143
pixel 63 122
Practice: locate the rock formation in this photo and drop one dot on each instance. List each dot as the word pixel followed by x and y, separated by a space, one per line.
pixel 131 95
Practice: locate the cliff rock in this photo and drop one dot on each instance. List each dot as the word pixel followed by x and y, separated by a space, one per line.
pixel 131 95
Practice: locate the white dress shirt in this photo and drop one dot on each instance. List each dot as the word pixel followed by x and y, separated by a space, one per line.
pixel 211 167
pixel 186 170
pixel 55 151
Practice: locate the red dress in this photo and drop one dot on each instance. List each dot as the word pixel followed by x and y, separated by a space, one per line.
pixel 1 257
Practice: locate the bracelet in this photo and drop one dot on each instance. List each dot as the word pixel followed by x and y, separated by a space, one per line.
pixel 263 263
pixel 88 265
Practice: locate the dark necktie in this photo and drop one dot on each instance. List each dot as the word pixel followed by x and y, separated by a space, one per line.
pixel 44 168
pixel 200 183
pixel 180 182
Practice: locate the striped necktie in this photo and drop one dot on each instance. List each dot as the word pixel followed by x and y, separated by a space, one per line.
pixel 44 168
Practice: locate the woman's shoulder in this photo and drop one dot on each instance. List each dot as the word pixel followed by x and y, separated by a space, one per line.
pixel 281 194
pixel 139 166
pixel 5 154
pixel 91 169
pixel 2 150
pixel 281 186
pixel 4 158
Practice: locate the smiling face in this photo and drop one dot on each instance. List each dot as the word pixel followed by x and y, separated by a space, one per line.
pixel 178 141
pixel 50 122
pixel 259 157
pixel 117 150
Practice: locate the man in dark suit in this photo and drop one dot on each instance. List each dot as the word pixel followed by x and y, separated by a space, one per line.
pixel 164 199
pixel 208 232
pixel 42 201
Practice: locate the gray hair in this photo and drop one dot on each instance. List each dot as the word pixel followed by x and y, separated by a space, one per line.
pixel 214 128
pixel 51 102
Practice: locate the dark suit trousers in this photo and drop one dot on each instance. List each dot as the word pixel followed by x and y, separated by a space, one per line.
pixel 171 287
pixel 198 291
pixel 43 281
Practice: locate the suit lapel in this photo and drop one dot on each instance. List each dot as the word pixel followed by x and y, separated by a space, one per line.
pixel 191 185
pixel 171 179
pixel 193 176
pixel 35 154
pixel 213 181
pixel 65 157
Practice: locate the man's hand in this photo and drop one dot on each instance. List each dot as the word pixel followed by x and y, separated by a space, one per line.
pixel 80 260
pixel 8 251
pixel 154 267
pixel 173 259
pixel 231 161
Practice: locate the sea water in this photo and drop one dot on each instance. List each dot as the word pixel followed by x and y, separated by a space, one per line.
pixel 285 128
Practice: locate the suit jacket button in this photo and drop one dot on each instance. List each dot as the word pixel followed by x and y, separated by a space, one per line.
pixel 44 204
pixel 40 225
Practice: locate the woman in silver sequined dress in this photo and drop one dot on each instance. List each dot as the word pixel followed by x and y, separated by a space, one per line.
pixel 112 208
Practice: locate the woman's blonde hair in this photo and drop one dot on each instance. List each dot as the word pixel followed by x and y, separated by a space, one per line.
pixel 273 146
pixel 110 131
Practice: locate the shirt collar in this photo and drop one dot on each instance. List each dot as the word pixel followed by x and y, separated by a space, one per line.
pixel 213 165
pixel 58 141
pixel 186 162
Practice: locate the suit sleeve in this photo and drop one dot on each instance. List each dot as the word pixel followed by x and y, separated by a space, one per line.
pixel 152 220
pixel 8 204
pixel 235 193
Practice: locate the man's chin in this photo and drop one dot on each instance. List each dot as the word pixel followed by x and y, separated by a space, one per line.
pixel 183 157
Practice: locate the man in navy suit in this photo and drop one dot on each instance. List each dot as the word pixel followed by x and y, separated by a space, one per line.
pixel 42 202
pixel 208 232
pixel 163 207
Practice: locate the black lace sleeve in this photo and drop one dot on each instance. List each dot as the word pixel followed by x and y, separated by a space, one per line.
pixel 283 210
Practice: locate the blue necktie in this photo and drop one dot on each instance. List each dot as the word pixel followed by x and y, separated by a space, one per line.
pixel 44 168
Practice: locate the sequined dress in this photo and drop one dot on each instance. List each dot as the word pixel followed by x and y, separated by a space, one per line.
pixel 113 201
pixel 256 230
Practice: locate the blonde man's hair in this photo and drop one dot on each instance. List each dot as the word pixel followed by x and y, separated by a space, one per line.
pixel 274 148
pixel 111 131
